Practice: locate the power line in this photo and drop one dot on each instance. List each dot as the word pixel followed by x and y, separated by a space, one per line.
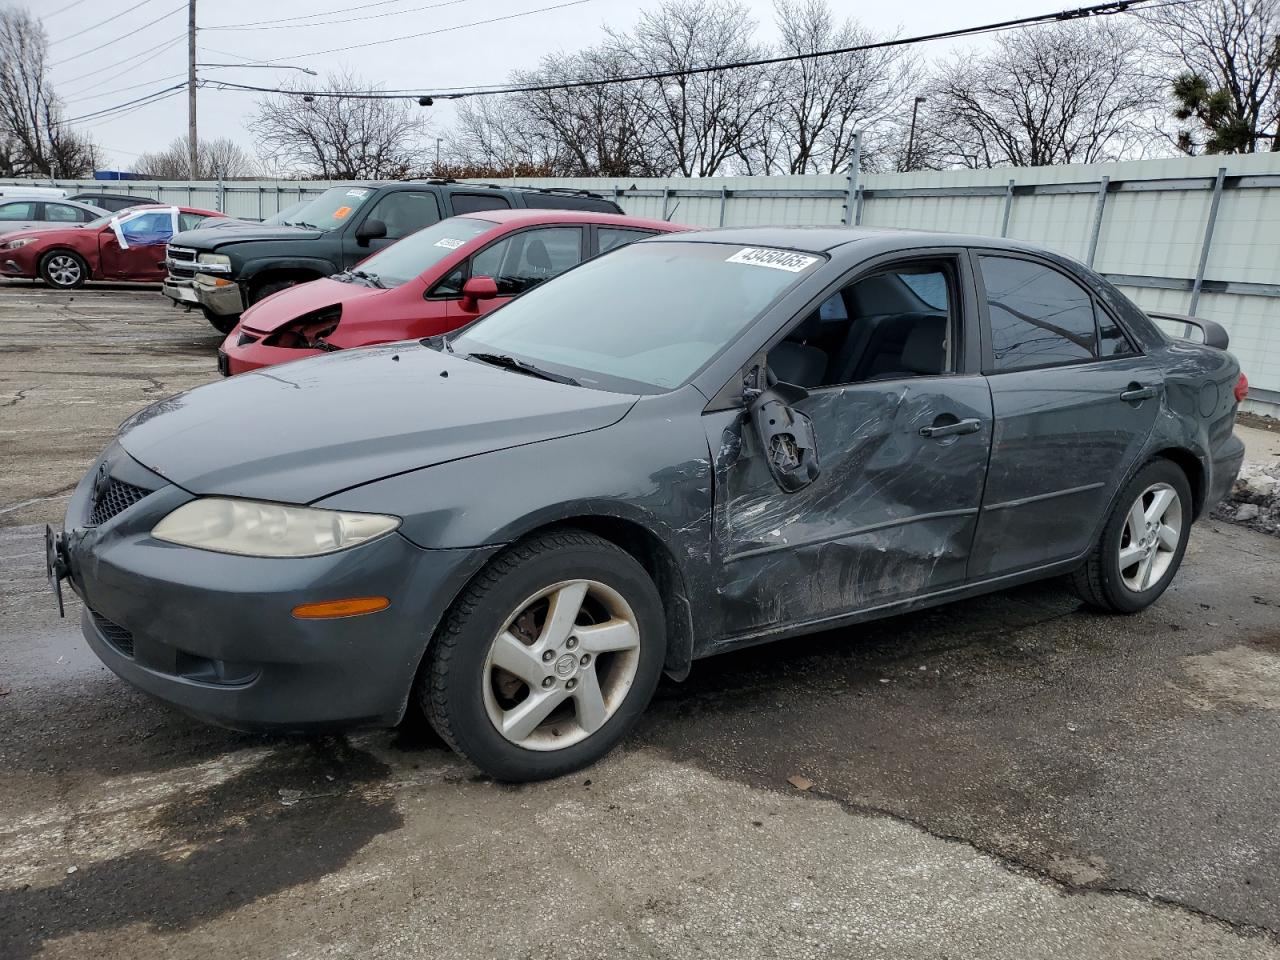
pixel 62 9
pixel 101 23
pixel 145 26
pixel 306 16
pixel 478 90
pixel 330 23
pixel 163 45
pixel 429 33
pixel 128 103
pixel 132 86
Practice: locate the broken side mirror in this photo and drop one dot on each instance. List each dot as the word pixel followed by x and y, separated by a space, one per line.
pixel 786 435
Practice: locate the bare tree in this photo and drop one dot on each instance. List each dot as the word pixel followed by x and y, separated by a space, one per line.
pixel 340 137
pixel 699 119
pixel 819 104
pixel 36 140
pixel 1221 59
pixel 220 157
pixel 1075 93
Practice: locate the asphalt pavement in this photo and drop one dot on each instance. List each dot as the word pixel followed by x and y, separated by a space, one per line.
pixel 1009 777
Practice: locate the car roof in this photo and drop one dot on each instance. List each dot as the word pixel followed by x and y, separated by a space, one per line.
pixel 537 215
pixel 195 210
pixel 826 239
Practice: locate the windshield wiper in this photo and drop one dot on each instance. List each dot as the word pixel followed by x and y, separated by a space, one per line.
pixel 522 366
pixel 372 278
pixel 300 223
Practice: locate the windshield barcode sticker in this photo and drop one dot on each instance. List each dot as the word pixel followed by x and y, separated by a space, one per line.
pixel 776 259
pixel 449 243
pixel 356 192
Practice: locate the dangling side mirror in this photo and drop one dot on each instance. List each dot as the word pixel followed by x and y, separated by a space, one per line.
pixel 785 435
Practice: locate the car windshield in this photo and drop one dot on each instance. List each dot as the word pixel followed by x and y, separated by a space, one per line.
pixel 285 215
pixel 102 221
pixel 407 258
pixel 650 314
pixel 331 209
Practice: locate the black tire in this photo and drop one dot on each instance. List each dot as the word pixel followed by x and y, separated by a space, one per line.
pixel 223 324
pixel 264 290
pixel 1100 582
pixel 452 685
pixel 64 269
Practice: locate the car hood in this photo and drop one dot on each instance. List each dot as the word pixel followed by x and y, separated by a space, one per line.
pixel 301 431
pixel 293 302
pixel 210 238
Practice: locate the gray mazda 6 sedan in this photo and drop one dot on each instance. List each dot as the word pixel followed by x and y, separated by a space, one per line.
pixel 688 445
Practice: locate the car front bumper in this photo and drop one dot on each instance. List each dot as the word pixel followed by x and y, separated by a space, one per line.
pixel 214 634
pixel 218 295
pixel 241 358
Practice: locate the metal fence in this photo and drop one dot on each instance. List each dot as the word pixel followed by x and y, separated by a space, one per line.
pixel 1198 235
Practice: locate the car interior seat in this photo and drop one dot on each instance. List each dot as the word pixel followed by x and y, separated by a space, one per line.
pixel 796 360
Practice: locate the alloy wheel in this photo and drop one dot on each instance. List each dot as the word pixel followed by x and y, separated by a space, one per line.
pixel 63 270
pixel 1149 541
pixel 562 665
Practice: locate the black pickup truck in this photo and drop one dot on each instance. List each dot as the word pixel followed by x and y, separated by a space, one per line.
pixel 225 269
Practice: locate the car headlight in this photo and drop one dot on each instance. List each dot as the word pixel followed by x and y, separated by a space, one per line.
pixel 15 244
pixel 254 528
pixel 213 260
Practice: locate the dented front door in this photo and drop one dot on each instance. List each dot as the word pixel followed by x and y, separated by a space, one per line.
pixel 890 516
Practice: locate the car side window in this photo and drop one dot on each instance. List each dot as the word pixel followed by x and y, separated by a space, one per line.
pixel 62 213
pixel 472 202
pixel 613 237
pixel 523 260
pixel 18 210
pixel 1112 341
pixel 189 221
pixel 1039 317
pixel 893 324
pixel 406 211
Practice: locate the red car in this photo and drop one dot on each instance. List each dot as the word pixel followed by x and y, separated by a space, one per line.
pixel 126 245
pixel 432 281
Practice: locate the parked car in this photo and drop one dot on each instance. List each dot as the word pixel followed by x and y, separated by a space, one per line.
pixel 430 282
pixel 9 192
pixel 699 442
pixel 32 214
pixel 231 269
pixel 117 246
pixel 115 202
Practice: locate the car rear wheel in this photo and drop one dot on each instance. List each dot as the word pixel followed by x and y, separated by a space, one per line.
pixel 1143 542
pixel 64 269
pixel 547 659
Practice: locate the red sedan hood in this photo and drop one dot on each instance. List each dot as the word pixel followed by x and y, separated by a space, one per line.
pixel 293 302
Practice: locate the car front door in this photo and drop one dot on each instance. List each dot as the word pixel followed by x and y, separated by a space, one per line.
pixel 402 212
pixel 132 246
pixel 1074 402
pixel 902 418
pixel 517 262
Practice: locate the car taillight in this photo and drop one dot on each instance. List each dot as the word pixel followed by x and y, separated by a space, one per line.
pixel 1242 388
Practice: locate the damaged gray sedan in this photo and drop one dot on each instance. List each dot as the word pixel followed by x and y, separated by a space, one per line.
pixel 689 445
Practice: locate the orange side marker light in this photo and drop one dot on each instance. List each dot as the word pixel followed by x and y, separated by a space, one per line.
pixel 333 609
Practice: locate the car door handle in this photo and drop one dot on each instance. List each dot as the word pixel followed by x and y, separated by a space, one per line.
pixel 1136 392
pixel 950 429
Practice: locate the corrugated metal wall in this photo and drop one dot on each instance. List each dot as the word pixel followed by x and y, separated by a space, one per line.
pixel 1150 229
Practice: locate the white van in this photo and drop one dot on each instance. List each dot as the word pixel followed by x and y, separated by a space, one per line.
pixel 10 192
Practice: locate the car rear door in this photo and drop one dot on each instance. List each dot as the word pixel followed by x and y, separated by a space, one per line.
pixel 1074 402
pixel 903 453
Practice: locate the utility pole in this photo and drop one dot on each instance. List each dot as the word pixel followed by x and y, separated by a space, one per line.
pixel 193 143
pixel 911 138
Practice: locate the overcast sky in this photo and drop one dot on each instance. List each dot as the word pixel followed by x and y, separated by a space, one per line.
pixel 471 55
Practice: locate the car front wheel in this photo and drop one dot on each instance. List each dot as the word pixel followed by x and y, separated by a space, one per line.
pixel 223 324
pixel 1142 543
pixel 547 659
pixel 64 270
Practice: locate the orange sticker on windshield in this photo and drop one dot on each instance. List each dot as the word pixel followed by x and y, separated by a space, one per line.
pixel 341 212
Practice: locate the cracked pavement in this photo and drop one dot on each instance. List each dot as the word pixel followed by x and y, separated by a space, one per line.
pixel 1011 776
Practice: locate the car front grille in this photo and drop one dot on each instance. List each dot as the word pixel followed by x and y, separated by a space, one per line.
pixel 116 497
pixel 116 635
pixel 182 262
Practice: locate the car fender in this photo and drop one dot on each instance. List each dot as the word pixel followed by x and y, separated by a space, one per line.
pixel 261 266
pixel 649 473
